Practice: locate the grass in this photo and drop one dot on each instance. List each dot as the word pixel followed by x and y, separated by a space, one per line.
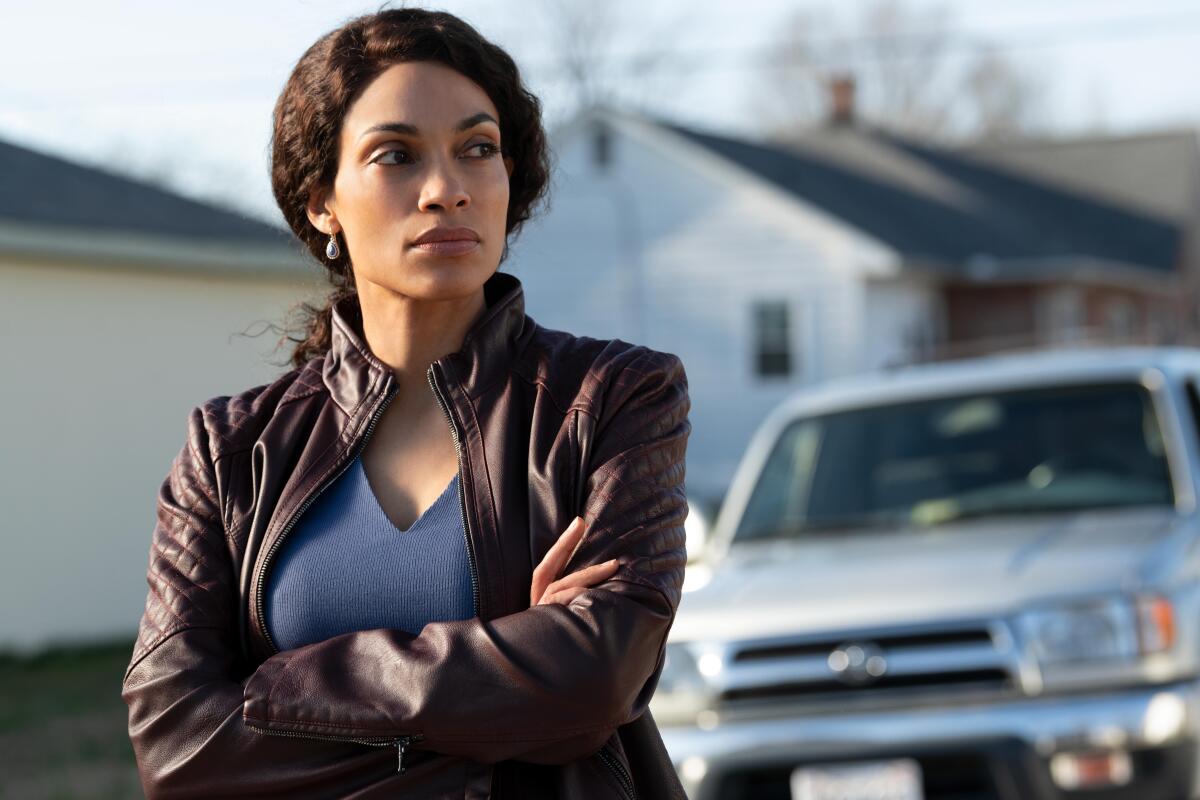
pixel 63 725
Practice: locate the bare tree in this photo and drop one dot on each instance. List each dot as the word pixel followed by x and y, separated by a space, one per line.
pixel 582 35
pixel 911 71
pixel 612 53
pixel 1005 102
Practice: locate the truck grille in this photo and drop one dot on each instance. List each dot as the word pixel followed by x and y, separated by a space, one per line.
pixel 874 664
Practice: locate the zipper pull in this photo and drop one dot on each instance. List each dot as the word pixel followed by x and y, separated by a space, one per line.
pixel 402 743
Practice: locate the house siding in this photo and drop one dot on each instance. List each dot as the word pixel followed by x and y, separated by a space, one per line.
pixel 103 366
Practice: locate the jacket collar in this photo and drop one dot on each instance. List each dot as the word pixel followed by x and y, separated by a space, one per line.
pixel 353 374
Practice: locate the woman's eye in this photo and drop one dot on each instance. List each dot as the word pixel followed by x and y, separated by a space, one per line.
pixel 395 157
pixel 383 158
pixel 488 149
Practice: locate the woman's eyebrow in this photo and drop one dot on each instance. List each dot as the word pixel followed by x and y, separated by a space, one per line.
pixel 411 130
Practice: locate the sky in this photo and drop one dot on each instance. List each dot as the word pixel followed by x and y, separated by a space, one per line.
pixel 182 92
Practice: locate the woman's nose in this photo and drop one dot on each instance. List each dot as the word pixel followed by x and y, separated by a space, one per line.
pixel 443 189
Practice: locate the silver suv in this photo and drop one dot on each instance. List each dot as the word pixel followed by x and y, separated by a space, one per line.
pixel 975 579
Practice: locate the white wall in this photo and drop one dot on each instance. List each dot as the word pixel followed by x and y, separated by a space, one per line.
pixel 99 368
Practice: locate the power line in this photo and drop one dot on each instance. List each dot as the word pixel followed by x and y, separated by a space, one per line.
pixel 859 49
pixel 905 45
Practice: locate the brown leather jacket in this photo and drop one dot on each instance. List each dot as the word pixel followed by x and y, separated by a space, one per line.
pixel 517 702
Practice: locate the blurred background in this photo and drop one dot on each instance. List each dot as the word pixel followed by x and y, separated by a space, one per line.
pixel 784 194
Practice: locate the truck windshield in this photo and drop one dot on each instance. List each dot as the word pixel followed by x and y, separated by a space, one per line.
pixel 932 461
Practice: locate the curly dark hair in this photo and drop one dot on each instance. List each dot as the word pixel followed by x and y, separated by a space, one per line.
pixel 327 79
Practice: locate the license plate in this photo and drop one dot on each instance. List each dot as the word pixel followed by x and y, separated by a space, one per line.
pixel 876 780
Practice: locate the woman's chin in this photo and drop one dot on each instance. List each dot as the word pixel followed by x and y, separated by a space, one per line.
pixel 445 282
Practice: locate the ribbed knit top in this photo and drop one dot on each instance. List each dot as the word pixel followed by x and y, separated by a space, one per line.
pixel 346 567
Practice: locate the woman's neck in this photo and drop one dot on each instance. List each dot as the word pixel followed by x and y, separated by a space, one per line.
pixel 408 334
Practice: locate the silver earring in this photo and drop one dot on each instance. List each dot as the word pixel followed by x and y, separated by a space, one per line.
pixel 332 251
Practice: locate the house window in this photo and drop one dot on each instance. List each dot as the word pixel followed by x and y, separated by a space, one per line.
pixel 601 146
pixel 772 338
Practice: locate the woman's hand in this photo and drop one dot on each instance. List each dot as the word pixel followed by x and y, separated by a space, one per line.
pixel 546 589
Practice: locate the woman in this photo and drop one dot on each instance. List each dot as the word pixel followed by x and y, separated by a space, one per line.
pixel 310 631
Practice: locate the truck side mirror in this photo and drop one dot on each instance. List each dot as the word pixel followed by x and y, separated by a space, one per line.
pixel 696 528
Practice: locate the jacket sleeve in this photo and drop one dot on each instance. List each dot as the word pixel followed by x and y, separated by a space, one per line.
pixel 182 685
pixel 550 683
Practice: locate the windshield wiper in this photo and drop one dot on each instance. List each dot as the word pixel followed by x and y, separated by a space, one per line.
pixel 1025 510
pixel 848 522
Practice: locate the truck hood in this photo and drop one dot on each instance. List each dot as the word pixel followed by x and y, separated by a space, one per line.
pixel 981 567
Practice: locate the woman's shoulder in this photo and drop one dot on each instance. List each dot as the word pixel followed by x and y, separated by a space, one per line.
pixel 233 422
pixel 582 369
pixel 560 348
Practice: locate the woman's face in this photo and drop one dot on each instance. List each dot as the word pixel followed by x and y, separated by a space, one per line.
pixel 419 150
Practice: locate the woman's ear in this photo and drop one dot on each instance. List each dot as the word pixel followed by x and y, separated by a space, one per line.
pixel 319 212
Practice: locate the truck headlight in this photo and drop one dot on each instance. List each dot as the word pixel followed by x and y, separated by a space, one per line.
pixel 683 692
pixel 1116 628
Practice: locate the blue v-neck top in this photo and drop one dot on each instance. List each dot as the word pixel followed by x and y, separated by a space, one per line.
pixel 345 567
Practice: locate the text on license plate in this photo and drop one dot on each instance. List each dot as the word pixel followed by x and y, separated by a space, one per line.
pixel 877 780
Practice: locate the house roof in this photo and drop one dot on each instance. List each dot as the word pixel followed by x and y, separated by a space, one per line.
pixel 947 208
pixel 46 190
pixel 1158 172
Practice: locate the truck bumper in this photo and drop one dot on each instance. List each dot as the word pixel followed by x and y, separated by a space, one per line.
pixel 990 751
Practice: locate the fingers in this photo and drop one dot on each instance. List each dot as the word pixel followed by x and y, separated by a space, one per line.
pixel 589 576
pixel 563 597
pixel 555 559
pixel 571 586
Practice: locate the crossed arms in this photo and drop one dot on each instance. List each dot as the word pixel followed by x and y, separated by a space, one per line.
pixel 549 684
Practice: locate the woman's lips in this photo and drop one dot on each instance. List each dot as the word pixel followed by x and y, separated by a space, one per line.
pixel 451 247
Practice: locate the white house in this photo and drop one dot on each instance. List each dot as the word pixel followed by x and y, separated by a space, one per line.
pixel 767 267
pixel 121 307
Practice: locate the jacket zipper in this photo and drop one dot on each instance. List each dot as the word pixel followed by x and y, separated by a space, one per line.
pixel 400 743
pixel 259 605
pixel 462 502
pixel 619 770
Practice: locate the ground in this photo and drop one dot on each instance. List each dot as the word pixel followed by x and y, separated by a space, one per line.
pixel 63 731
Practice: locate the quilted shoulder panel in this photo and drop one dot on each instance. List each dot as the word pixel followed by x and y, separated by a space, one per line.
pixel 189 573
pixel 233 422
